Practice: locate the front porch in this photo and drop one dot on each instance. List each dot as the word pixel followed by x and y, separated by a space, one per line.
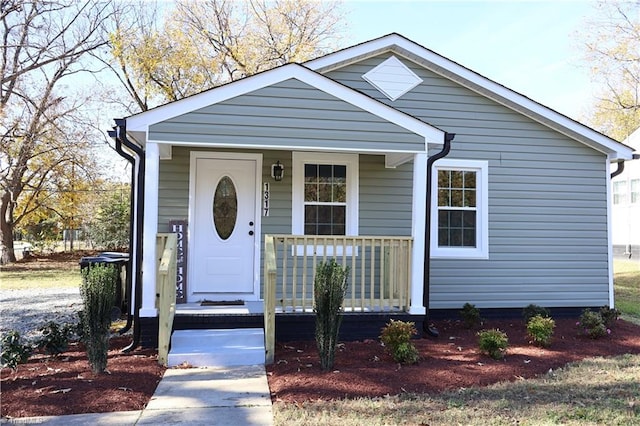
pixel 379 288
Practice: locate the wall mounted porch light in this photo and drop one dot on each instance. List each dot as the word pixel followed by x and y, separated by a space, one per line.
pixel 277 171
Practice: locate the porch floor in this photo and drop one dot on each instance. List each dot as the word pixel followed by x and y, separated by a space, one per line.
pixel 249 308
pixel 257 307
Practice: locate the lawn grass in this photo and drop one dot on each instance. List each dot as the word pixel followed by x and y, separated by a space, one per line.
pixel 595 391
pixel 626 282
pixel 49 278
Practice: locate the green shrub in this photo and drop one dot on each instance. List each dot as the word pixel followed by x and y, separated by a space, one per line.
pixel 609 316
pixel 55 338
pixel 98 289
pixel 396 337
pixel 493 342
pixel 592 325
pixel 470 315
pixel 532 310
pixel 329 288
pixel 13 351
pixel 540 330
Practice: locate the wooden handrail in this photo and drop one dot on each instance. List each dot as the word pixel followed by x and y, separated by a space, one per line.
pixel 270 270
pixel 166 293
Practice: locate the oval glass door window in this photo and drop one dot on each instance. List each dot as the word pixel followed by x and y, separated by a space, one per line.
pixel 225 207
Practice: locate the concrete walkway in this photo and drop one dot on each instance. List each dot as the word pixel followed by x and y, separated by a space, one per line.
pixel 195 396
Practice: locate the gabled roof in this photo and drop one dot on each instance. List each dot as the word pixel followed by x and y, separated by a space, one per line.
pixel 449 69
pixel 138 124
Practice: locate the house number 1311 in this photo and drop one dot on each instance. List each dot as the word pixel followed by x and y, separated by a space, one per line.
pixel 265 200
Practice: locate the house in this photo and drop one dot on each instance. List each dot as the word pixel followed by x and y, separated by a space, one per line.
pixel 625 211
pixel 382 155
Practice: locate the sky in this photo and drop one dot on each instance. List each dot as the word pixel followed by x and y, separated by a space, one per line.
pixel 531 47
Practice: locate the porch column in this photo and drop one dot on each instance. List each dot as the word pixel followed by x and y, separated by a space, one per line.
pixel 150 230
pixel 419 211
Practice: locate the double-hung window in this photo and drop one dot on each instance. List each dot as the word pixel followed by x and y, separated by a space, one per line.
pixel 635 191
pixel 459 219
pixel 325 194
pixel 620 192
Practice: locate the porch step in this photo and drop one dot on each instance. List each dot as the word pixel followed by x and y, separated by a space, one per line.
pixel 217 348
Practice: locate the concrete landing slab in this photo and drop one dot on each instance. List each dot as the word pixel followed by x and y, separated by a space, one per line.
pixel 214 416
pixel 211 396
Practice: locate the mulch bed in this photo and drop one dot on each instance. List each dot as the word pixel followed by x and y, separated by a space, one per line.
pixel 47 386
pixel 451 361
pixel 66 385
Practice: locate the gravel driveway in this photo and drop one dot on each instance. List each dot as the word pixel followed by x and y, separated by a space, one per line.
pixel 28 310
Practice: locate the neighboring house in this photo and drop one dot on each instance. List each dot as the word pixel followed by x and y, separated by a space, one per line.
pixel 340 146
pixel 625 213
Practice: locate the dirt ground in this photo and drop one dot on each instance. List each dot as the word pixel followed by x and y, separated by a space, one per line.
pixel 50 386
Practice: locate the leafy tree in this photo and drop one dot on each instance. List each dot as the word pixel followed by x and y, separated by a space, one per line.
pixel 163 54
pixel 45 141
pixel 612 50
pixel 110 229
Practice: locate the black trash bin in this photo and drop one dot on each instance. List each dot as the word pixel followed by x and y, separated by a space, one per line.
pixel 121 261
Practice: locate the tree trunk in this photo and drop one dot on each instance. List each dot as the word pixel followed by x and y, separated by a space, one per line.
pixel 7 252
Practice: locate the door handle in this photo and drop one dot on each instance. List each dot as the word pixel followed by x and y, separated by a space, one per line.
pixel 251 223
pixel 250 232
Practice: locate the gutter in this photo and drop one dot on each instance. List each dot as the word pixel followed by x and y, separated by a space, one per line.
pixel 426 296
pixel 137 184
pixel 129 280
pixel 619 170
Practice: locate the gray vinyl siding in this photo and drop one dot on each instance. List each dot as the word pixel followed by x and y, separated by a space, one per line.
pixel 385 198
pixel 287 114
pixel 547 200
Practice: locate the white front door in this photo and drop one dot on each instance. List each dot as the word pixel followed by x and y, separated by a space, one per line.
pixel 224 230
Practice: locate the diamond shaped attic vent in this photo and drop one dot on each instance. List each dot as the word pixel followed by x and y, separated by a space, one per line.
pixel 392 78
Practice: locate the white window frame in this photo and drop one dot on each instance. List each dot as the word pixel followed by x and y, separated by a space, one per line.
pixel 621 190
pixel 481 251
pixel 351 161
pixel 632 192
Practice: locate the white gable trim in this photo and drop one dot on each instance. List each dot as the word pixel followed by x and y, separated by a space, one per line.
pixel 141 122
pixel 476 82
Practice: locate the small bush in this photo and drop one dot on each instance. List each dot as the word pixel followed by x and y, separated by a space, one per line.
pixel 532 310
pixel 470 315
pixel 592 325
pixel 98 289
pixel 55 338
pixel 329 288
pixel 493 342
pixel 13 351
pixel 396 337
pixel 540 330
pixel 609 316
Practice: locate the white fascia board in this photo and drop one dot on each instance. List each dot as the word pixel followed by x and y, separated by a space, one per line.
pixel 318 148
pixel 141 122
pixel 474 81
